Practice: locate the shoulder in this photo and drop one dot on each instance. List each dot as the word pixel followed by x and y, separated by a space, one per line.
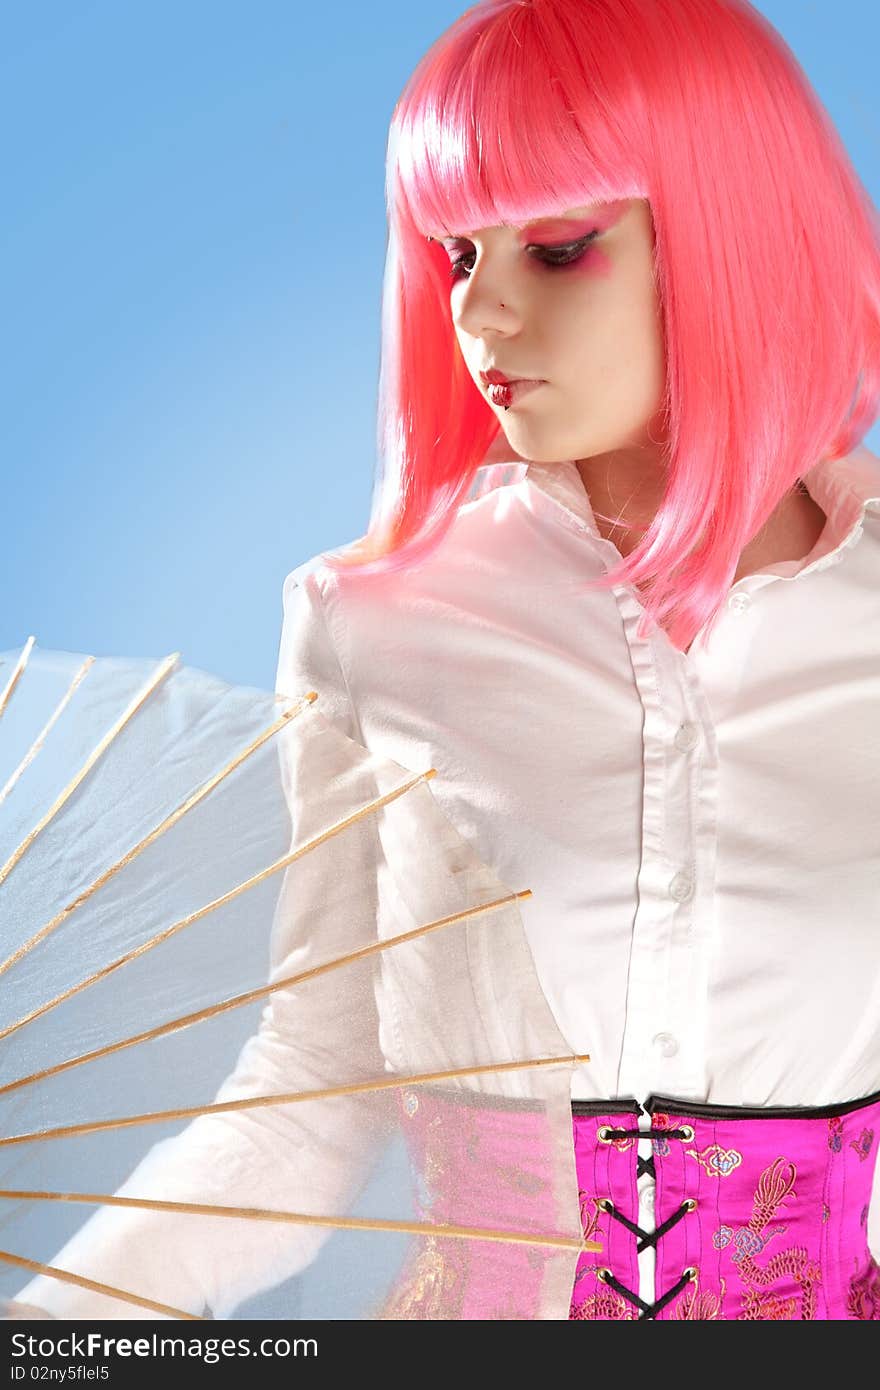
pixel 347 632
pixel 477 531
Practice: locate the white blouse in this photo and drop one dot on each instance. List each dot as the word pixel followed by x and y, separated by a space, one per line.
pixel 700 831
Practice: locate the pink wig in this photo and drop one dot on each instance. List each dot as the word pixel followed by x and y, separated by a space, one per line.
pixel 766 254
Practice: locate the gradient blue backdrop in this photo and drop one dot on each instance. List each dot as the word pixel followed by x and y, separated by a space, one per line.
pixel 193 248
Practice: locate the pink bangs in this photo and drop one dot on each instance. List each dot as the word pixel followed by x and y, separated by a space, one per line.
pixel 495 126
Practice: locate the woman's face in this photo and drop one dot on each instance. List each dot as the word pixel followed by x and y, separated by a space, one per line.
pixel 573 302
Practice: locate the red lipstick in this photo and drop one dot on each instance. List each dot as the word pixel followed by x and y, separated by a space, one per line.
pixel 510 392
pixel 503 390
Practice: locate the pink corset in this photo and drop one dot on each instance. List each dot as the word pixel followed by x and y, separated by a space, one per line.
pixel 759 1214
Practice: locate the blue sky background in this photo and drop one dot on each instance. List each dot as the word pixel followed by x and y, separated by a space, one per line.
pixel 193 248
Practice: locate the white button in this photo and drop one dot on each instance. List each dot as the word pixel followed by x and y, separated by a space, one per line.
pixel 686 736
pixel 739 602
pixel 681 887
pixel 665 1044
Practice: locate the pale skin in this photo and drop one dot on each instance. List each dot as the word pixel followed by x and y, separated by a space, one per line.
pixel 592 331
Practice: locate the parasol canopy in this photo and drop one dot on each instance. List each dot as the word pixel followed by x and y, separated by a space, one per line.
pixel 271 1039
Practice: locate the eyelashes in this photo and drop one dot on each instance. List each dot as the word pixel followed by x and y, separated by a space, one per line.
pixel 551 256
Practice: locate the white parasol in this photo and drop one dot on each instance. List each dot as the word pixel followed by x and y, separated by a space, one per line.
pixel 271 1039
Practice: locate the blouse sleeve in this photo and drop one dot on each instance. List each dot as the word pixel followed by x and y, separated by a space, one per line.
pixel 275 1152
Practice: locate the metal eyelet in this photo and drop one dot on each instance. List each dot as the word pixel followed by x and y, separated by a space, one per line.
pixel 604 1204
pixel 686 1131
pixel 602 1134
pixel 692 1272
pixel 603 1274
pixel 689 1204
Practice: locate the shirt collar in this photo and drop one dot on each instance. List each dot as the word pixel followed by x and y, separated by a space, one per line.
pixel 844 488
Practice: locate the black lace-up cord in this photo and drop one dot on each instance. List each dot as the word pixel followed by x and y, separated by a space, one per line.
pixel 666 1298
pixel 649 1310
pixel 615 1133
pixel 627 1293
pixel 648 1237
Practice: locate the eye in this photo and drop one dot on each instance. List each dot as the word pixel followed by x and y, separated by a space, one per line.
pixel 548 255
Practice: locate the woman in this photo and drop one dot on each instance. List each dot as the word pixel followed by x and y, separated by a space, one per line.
pixel 645 657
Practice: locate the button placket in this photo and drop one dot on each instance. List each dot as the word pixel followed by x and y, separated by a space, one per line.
pixel 677 743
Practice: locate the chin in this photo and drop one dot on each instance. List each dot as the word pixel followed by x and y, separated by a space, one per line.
pixel 536 452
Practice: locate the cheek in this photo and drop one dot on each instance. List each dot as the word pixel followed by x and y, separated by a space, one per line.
pixel 582 307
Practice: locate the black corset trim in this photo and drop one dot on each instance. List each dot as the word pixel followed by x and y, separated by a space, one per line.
pixel 674 1105
pixel 606 1107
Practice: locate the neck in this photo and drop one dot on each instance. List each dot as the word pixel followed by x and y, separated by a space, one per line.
pixel 626 487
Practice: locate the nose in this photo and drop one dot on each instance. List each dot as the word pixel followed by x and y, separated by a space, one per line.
pixel 481 308
pixel 487 299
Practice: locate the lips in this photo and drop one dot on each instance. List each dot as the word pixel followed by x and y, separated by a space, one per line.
pixel 496 378
pixel 509 392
